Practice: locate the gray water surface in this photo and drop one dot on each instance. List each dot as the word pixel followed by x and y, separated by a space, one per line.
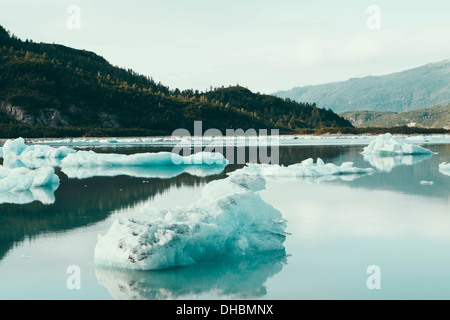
pixel 337 230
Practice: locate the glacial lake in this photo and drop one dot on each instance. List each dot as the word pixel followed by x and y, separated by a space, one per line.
pixel 397 219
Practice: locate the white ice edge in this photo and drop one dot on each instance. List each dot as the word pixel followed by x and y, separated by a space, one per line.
pixel 388 145
pixel 285 140
pixel 22 185
pixel 444 168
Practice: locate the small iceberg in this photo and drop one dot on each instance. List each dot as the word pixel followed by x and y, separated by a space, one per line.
pixel 387 145
pixel 21 179
pixel 444 168
pixel 230 220
pixel 92 159
pixel 22 185
pixel 309 169
pixel 17 149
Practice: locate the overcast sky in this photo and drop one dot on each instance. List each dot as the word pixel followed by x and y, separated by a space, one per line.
pixel 263 45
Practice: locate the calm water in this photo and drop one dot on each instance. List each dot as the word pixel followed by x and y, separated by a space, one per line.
pixel 337 229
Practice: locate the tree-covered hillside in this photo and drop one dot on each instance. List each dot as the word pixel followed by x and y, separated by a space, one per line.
pixel 433 117
pixel 53 86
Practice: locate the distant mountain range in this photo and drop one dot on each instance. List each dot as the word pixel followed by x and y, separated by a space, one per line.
pixel 433 117
pixel 413 89
pixel 47 86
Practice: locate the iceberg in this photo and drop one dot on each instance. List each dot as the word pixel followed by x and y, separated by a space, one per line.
pixel 17 149
pixel 387 145
pixel 230 220
pixel 22 185
pixel 444 168
pixel 21 179
pixel 308 168
pixel 92 159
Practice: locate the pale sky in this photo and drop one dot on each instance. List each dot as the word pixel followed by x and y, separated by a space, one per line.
pixel 263 45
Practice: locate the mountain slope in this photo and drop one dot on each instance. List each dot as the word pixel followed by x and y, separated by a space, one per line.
pixel 51 85
pixel 412 89
pixel 433 117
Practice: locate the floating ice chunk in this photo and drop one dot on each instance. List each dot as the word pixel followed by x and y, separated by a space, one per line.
pixel 21 179
pixel 13 148
pixel 17 149
pixel 44 176
pixel 22 185
pixel 387 145
pixel 426 183
pixel 229 220
pixel 92 159
pixel 308 168
pixel 387 163
pixel 444 168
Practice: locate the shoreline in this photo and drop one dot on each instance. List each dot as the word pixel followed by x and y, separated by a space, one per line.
pixel 283 140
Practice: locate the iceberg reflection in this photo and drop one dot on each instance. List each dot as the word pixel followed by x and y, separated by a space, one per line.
pixel 45 195
pixel 235 278
pixel 162 172
pixel 387 163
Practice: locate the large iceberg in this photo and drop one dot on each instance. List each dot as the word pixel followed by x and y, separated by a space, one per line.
pixel 387 145
pixel 22 185
pixel 229 220
pixel 92 159
pixel 17 149
pixel 444 168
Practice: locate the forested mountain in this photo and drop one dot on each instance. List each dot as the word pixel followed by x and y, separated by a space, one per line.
pixel 413 89
pixel 433 117
pixel 48 86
